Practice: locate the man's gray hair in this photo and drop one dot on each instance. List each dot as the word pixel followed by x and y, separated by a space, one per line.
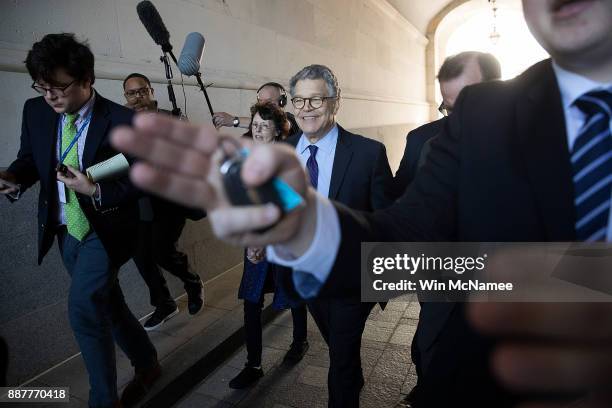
pixel 316 72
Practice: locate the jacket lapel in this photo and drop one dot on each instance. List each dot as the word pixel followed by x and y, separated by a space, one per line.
pixel 48 145
pixel 542 135
pixel 96 132
pixel 342 158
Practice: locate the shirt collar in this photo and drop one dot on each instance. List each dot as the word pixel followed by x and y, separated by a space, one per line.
pixel 326 143
pixel 573 86
pixel 85 109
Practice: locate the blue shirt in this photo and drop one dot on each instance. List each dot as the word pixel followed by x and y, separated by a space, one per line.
pixel 325 157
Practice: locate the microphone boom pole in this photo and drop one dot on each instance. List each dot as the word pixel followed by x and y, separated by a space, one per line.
pixel 203 89
pixel 176 111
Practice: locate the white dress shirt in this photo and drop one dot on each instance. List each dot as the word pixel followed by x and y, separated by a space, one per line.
pixel 324 247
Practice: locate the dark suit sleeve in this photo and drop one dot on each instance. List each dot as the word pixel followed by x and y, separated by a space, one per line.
pixel 118 191
pixel 404 173
pixel 24 168
pixel 382 181
pixel 426 212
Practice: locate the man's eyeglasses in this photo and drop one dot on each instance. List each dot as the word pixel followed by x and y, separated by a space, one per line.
pixel 54 90
pixel 315 102
pixel 133 93
pixel 444 110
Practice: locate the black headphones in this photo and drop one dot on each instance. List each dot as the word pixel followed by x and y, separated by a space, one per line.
pixel 282 102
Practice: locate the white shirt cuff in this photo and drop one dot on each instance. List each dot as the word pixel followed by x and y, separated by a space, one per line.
pixel 310 271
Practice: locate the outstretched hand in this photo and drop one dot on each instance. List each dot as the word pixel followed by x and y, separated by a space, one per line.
pixel 180 161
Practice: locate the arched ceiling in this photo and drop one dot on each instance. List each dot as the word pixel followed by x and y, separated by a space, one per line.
pixel 421 12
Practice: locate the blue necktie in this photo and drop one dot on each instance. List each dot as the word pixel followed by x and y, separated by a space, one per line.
pixel 313 166
pixel 592 164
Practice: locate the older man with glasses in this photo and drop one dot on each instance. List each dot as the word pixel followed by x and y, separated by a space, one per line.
pixel 353 170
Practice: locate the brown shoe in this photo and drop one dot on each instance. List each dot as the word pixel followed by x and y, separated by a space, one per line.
pixel 136 389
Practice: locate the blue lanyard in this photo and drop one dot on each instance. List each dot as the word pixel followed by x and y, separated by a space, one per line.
pixel 76 137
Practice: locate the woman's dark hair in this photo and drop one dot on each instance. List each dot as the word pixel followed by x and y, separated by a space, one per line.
pixel 57 51
pixel 269 111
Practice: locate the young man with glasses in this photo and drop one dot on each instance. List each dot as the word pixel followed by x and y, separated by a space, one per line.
pixel 139 93
pixel 64 131
pixel 160 227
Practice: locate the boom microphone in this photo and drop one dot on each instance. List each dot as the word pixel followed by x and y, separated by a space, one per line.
pixel 152 21
pixel 191 55
pixel 189 62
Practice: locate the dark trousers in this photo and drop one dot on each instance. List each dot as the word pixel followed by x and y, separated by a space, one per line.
pixel 253 330
pixel 157 248
pixel 341 322
pixel 98 314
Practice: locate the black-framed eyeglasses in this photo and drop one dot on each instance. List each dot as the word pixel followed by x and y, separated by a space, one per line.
pixel 315 102
pixel 444 110
pixel 54 90
pixel 133 93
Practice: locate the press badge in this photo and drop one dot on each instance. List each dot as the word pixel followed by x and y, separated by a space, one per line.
pixel 61 192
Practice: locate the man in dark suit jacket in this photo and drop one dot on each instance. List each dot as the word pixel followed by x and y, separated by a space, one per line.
pixel 95 223
pixel 160 227
pixel 510 165
pixel 353 170
pixel 456 72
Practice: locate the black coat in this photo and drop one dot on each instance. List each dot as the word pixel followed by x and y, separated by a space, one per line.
pixel 415 140
pixel 361 177
pixel 115 221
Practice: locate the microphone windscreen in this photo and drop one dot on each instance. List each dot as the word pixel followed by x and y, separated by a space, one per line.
pixel 153 23
pixel 189 61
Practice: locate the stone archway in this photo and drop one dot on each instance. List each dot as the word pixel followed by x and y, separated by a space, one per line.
pixel 431 57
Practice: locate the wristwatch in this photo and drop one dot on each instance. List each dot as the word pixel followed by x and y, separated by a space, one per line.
pixel 236 121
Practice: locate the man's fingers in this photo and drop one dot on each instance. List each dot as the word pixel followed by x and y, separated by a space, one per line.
pixel 7 190
pixel 553 369
pixel 192 192
pixel 203 138
pixel 237 220
pixel 265 161
pixel 62 178
pixel 580 322
pixel 161 152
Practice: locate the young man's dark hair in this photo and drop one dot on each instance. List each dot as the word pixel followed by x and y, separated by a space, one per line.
pixel 453 66
pixel 136 75
pixel 56 51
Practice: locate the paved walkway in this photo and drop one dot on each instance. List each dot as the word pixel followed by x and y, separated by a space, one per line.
pixel 385 357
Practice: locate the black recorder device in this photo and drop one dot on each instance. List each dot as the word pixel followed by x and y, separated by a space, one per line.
pixel 239 194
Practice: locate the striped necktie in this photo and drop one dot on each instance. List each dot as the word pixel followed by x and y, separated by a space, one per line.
pixel 592 165
pixel 76 221
pixel 313 166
